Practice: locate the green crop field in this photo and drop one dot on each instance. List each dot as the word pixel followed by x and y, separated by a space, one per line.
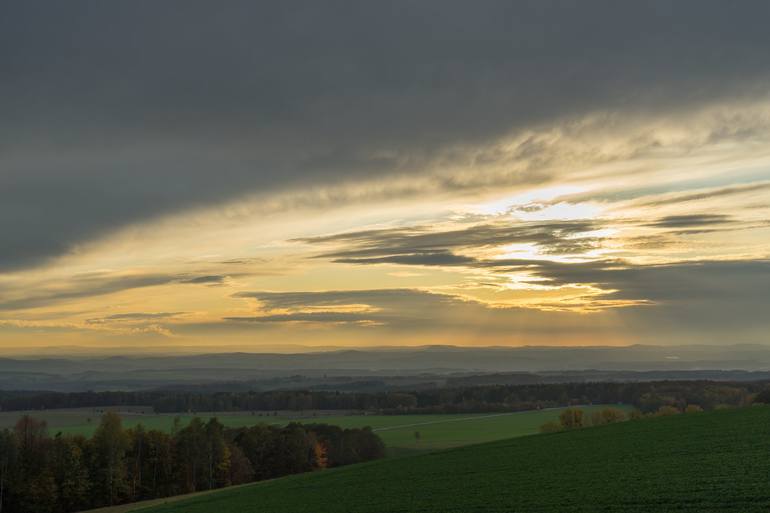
pixel 84 421
pixel 397 431
pixel 702 462
pixel 445 431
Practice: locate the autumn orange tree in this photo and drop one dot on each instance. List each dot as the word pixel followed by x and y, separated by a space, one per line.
pixel 571 418
pixel 607 416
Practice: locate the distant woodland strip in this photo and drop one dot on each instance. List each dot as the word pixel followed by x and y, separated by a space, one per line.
pixel 646 396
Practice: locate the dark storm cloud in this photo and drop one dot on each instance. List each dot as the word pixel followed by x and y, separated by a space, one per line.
pixel 404 311
pixel 697 299
pixel 395 307
pixel 708 194
pixel 117 112
pixel 701 300
pixel 428 258
pixel 84 287
pixel 420 246
pixel 141 316
pixel 291 300
pixel 96 284
pixel 695 296
pixel 744 282
pixel 690 220
pixel 701 291
pixel 213 279
pixel 333 317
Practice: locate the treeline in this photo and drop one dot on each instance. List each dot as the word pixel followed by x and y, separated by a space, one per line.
pixel 41 474
pixel 646 396
pixel 575 418
pixel 35 400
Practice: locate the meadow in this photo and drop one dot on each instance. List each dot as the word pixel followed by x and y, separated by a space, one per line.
pixel 397 431
pixel 701 462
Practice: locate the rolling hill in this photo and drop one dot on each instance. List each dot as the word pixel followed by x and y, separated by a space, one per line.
pixel 703 462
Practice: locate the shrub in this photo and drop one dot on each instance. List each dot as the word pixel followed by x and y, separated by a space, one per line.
pixel 665 411
pixel 571 418
pixel 551 427
pixel 607 416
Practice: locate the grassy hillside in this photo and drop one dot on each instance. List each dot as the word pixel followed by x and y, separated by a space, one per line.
pixel 716 461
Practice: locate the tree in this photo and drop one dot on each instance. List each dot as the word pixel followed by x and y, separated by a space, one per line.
pixel 135 460
pixel 667 410
pixel 43 475
pixel 293 450
pixel 400 401
pixel 218 455
pixel 320 453
pixel 256 442
pixel 109 444
pixel 31 434
pixel 8 456
pixel 37 493
pixel 607 416
pixel 763 397
pixel 191 456
pixel 150 463
pixel 157 470
pixel 369 445
pixel 571 418
pixel 70 473
pixel 34 486
pixel 240 466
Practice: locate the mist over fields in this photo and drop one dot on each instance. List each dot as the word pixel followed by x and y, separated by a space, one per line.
pixel 385 367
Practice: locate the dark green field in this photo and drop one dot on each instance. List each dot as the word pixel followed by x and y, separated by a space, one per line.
pixel 702 462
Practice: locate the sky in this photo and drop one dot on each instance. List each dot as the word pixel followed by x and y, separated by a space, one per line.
pixel 252 174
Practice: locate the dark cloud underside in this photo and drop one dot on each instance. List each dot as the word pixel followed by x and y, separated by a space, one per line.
pixel 689 220
pixel 97 284
pixel 697 300
pixel 118 112
pixel 419 246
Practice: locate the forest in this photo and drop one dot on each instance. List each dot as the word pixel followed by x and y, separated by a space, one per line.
pixel 647 396
pixel 61 474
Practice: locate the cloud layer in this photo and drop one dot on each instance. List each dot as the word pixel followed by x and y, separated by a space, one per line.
pixel 114 114
pixel 384 172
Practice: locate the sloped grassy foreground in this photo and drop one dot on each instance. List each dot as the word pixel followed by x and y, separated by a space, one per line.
pixel 716 461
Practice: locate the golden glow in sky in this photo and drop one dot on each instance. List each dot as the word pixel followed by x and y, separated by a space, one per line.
pixel 550 263
pixel 489 176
